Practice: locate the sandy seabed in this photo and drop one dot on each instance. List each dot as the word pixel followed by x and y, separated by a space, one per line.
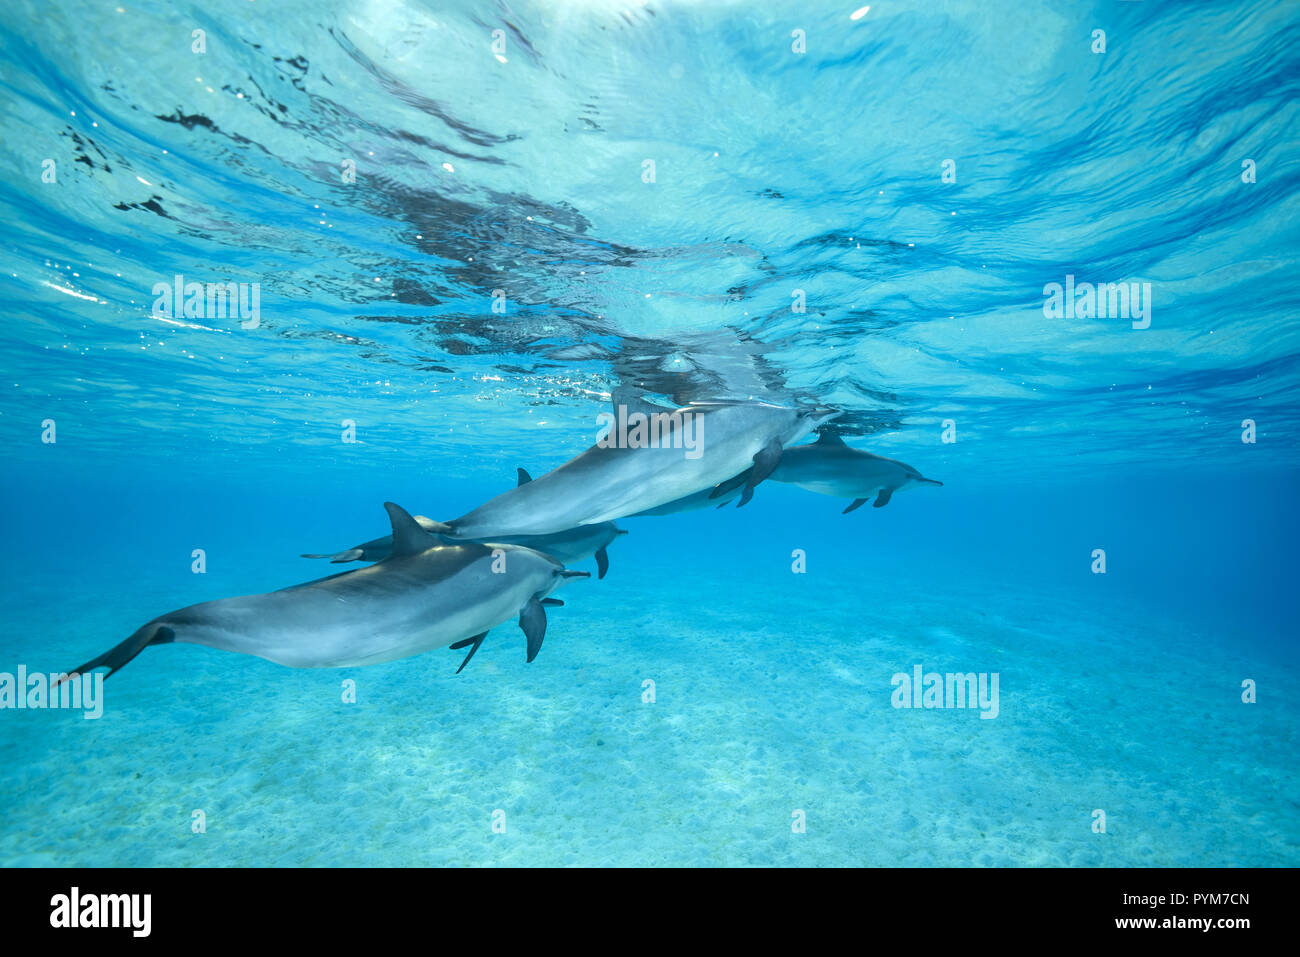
pixel 770 698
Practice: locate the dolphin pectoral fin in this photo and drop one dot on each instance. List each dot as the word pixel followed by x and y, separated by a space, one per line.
pixel 120 655
pixel 730 485
pixel 554 602
pixel 602 562
pixel 857 503
pixel 351 555
pixel 532 619
pixel 883 498
pixel 767 459
pixel 475 641
pixel 524 477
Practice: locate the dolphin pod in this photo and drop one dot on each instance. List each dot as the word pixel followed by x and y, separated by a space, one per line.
pixel 569 546
pixel 436 584
pixel 613 479
pixel 424 595
pixel 830 467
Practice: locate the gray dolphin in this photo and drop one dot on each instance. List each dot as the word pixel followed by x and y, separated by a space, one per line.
pixel 701 445
pixel 715 497
pixel 829 467
pixel 425 595
pixel 568 547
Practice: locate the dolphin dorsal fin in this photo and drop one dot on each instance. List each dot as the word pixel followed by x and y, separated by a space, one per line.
pixel 829 436
pixel 408 537
pixel 524 477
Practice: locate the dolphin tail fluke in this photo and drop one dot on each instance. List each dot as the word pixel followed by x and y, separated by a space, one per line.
pixel 767 459
pixel 532 619
pixel 120 655
pixel 602 562
pixel 475 641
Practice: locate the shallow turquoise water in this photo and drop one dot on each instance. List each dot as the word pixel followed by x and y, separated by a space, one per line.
pixel 775 172
pixel 772 695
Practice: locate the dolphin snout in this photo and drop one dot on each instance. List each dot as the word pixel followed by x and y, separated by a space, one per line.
pixel 821 416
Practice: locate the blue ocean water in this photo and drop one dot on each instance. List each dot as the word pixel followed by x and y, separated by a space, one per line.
pixel 466 224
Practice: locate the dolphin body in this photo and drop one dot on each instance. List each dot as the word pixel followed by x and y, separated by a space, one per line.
pixel 425 595
pixel 705 498
pixel 716 497
pixel 829 467
pixel 567 547
pixel 612 480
